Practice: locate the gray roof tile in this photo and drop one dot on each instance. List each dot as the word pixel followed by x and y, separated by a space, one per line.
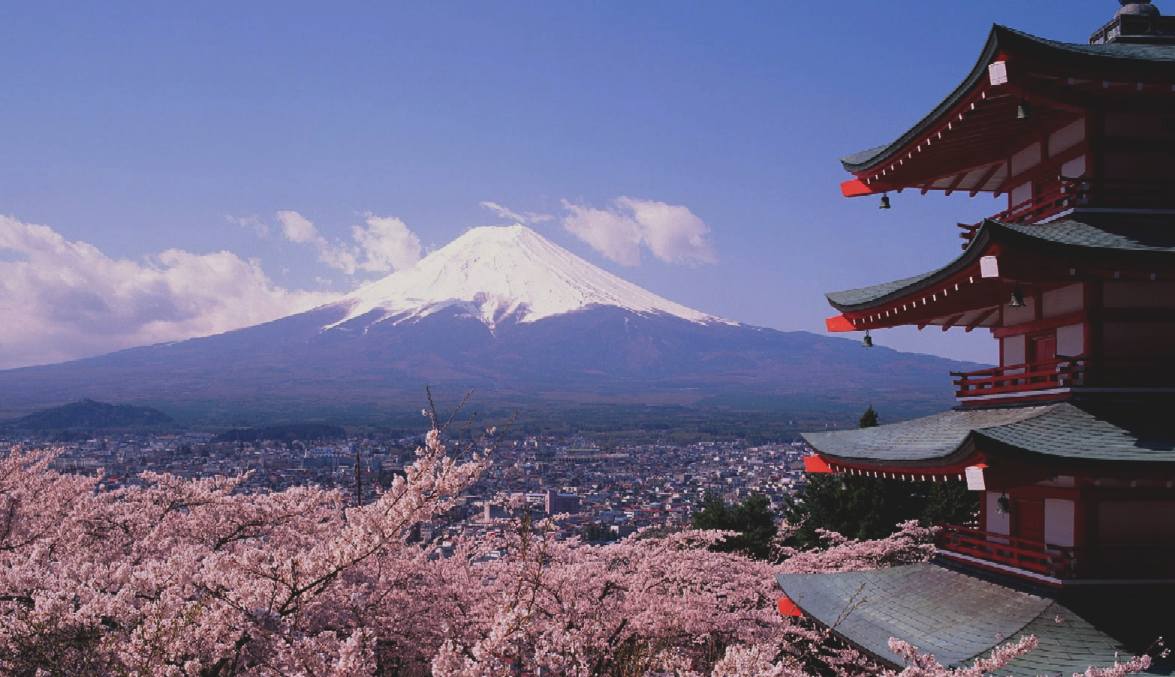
pixel 1098 233
pixel 1121 431
pixel 920 439
pixel 955 616
pixel 1003 38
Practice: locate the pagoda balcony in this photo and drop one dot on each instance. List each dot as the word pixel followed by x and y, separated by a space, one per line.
pixel 1038 379
pixel 1057 379
pixel 1007 552
pixel 1136 28
pixel 1038 560
pixel 1068 194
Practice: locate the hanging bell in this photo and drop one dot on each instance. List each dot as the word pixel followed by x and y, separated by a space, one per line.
pixel 1023 110
pixel 868 340
pixel 1017 300
pixel 884 201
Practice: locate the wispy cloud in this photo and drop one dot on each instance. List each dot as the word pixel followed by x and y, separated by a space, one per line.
pixel 380 245
pixel 252 222
pixel 68 299
pixel 626 227
pixel 525 218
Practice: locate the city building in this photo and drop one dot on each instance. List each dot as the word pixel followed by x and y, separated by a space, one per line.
pixel 558 503
pixel 1068 439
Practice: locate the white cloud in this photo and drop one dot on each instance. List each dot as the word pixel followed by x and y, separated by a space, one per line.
pixel 525 218
pixel 383 244
pixel 613 234
pixel 671 233
pixel 387 244
pixel 67 299
pixel 298 228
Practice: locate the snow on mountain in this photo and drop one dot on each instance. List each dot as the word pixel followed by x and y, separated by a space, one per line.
pixel 602 342
pixel 497 272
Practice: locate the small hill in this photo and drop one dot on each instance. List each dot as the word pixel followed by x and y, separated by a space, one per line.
pixel 284 433
pixel 91 415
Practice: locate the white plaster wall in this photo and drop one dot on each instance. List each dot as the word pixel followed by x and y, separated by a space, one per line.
pixel 1059 521
pixel 1027 158
pixel 997 522
pixel 1071 340
pixel 1013 350
pixel 1021 193
pixel 1062 300
pixel 1074 168
pixel 1066 137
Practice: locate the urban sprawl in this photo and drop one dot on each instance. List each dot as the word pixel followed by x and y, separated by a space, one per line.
pixel 596 492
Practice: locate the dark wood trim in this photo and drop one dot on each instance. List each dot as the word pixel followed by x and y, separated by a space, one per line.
pixel 1138 315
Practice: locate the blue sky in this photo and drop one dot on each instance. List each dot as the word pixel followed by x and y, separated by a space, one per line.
pixel 140 129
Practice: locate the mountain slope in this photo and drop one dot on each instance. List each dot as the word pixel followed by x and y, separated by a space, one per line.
pixel 524 323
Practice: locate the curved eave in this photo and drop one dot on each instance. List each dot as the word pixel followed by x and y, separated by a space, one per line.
pixel 1106 240
pixel 952 465
pixel 865 160
pixel 1142 60
pixel 959 616
pixel 873 296
pixel 1123 432
pixel 944 440
pixel 940 443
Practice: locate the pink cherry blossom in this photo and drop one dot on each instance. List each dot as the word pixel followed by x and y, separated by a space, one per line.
pixel 191 577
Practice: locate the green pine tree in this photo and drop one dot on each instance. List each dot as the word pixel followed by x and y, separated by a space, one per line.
pixel 752 519
pixel 868 419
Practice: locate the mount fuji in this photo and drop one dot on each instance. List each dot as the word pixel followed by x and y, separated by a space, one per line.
pixel 502 274
pixel 520 320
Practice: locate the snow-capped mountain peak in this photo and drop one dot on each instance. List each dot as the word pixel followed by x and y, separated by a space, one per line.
pixel 505 271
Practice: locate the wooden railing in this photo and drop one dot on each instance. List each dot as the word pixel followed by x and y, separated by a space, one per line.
pixel 1108 561
pixel 1063 372
pixel 1020 553
pixel 1070 193
pixel 1052 200
pixel 1134 28
pixel 1060 197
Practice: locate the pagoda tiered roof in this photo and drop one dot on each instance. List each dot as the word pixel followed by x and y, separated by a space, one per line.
pixel 867 608
pixel 947 442
pixel 1101 241
pixel 961 144
pixel 1067 440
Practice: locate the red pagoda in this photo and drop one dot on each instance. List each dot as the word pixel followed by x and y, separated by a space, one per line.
pixel 1067 441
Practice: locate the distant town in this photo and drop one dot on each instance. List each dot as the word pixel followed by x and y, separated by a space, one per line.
pixel 594 491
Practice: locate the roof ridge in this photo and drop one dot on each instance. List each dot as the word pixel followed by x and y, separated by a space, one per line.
pixel 1160 54
pixel 1036 411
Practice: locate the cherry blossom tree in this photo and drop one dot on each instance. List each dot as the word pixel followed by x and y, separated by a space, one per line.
pixel 192 577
